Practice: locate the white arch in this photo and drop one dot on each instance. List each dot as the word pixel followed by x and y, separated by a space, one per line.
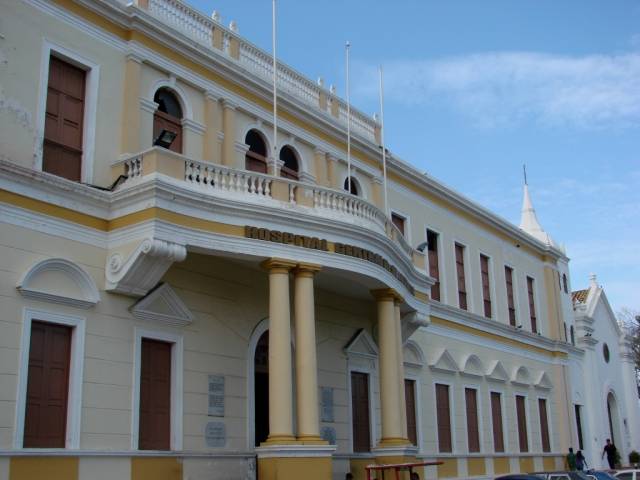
pixel 521 376
pixel 473 366
pixel 181 95
pixel 413 356
pixel 363 192
pixel 59 280
pixel 303 167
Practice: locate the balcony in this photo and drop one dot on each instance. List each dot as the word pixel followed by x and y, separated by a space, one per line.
pixel 284 195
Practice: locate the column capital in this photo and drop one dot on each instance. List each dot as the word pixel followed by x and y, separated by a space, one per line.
pixel 278 265
pixel 306 269
pixel 229 104
pixel 389 294
pixel 211 96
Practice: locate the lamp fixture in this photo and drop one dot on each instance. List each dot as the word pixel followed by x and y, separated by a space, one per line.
pixel 165 139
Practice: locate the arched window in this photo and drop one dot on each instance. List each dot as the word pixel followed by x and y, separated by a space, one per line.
pixel 289 168
pixel 354 186
pixel 168 117
pixel 256 157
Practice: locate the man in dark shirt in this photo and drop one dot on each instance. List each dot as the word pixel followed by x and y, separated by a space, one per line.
pixel 610 451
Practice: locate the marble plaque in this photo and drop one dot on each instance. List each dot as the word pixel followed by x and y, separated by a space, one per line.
pixel 328 434
pixel 326 401
pixel 215 434
pixel 216 396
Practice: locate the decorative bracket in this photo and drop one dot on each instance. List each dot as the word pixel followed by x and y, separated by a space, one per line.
pixel 144 268
pixel 411 322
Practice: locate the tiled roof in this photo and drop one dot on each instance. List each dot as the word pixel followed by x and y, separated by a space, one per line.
pixel 579 296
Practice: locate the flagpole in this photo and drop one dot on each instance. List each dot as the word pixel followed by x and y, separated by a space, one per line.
pixel 384 150
pixel 275 79
pixel 347 46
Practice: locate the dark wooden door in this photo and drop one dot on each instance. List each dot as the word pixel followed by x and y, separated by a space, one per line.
pixel 496 418
pixel 47 386
pixel 164 121
pixel 521 414
pixel 261 389
pixel 155 396
pixel 410 399
pixel 443 413
pixel 62 148
pixel 360 412
pixel 473 434
pixel 544 425
pixel 255 162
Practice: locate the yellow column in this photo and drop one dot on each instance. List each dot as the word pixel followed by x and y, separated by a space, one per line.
pixel 390 398
pixel 229 130
pixel 403 401
pixel 332 174
pixel 211 146
pixel 320 163
pixel 280 378
pixel 306 361
pixel 131 106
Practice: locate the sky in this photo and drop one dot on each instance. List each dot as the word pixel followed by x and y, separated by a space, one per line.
pixel 475 89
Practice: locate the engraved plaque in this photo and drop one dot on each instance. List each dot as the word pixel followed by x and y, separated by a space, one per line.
pixel 216 395
pixel 215 434
pixel 326 401
pixel 328 434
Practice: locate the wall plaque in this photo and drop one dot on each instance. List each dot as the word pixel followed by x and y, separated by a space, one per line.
pixel 326 402
pixel 328 434
pixel 215 434
pixel 216 396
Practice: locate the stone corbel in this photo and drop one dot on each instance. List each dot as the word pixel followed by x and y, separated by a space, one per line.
pixel 137 274
pixel 412 321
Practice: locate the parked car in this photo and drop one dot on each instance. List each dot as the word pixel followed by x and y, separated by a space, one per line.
pixel 601 474
pixel 561 475
pixel 628 474
pixel 518 476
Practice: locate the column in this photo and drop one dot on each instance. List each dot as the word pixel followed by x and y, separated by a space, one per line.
pixel 320 163
pixel 332 174
pixel 229 130
pixel 400 353
pixel 131 106
pixel 280 378
pixel 213 126
pixel 306 361
pixel 390 398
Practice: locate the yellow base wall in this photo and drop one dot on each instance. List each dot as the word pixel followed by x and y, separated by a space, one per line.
pixel 43 468
pixel 476 467
pixel 390 474
pixel 549 463
pixel 156 468
pixel 448 469
pixel 526 465
pixel 307 468
pixel 501 465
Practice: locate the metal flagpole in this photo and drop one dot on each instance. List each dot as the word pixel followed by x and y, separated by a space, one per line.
pixel 275 92
pixel 384 150
pixel 347 46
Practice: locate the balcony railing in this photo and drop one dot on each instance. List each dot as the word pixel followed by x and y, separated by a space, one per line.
pixel 213 35
pixel 258 188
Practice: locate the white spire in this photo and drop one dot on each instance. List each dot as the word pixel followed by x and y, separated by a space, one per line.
pixel 529 221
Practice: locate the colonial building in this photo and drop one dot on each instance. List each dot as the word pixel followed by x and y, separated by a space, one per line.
pixel 181 299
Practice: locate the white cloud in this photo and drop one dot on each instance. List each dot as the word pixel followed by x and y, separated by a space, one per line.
pixel 498 89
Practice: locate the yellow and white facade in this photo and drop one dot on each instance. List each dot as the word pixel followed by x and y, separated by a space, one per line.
pixel 194 251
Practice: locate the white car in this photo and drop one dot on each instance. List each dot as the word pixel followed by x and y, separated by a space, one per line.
pixel 627 475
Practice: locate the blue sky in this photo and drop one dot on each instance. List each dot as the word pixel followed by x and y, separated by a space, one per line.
pixel 475 89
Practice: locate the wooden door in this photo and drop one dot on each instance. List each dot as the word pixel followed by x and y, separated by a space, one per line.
pixel 473 434
pixel 155 396
pixel 47 386
pixel 496 418
pixel 62 147
pixel 521 414
pixel 360 412
pixel 410 400
pixel 261 390
pixel 443 415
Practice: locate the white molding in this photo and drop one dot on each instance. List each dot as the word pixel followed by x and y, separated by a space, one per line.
pixel 415 348
pixel 177 354
pixel 445 363
pixel 497 373
pixel 76 366
pixel 295 451
pixel 472 366
pixel 192 126
pixel 181 95
pixel 88 292
pixel 544 382
pixel 92 80
pixel 521 376
pixel 365 339
pixel 180 315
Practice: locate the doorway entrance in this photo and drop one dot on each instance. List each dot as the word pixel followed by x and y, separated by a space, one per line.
pixel 261 389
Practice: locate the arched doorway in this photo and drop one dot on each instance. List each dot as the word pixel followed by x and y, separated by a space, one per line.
pixel 290 165
pixel 614 420
pixel 168 117
pixel 261 389
pixel 255 159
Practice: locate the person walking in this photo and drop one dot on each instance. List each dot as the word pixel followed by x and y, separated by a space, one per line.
pixel 610 451
pixel 581 462
pixel 571 460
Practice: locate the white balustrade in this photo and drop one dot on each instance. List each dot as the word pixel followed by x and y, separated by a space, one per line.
pixel 133 167
pixel 219 179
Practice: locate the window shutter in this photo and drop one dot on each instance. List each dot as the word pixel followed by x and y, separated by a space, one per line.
pixel 544 425
pixel 496 417
pixel 473 435
pixel 434 268
pixel 462 289
pixel 486 290
pixel 444 418
pixel 410 400
pixel 155 395
pixel 523 441
pixel 360 411
pixel 398 221
pixel 508 274
pixel 532 306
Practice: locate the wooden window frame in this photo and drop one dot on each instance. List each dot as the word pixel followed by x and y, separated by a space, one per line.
pixel 465 262
pixel 503 419
pixel 439 283
pixel 92 77
pixel 527 426
pixel 514 297
pixel 488 288
pixel 405 222
pixel 177 353
pixel 550 437
pixel 416 394
pixel 534 322
pixel 76 365
pixel 476 388
pixel 452 426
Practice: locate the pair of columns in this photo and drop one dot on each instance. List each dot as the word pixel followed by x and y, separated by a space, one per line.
pixel 280 361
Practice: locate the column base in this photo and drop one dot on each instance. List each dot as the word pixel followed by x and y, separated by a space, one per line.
pixel 387 454
pixel 394 442
pixel 293 462
pixel 280 440
pixel 312 440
